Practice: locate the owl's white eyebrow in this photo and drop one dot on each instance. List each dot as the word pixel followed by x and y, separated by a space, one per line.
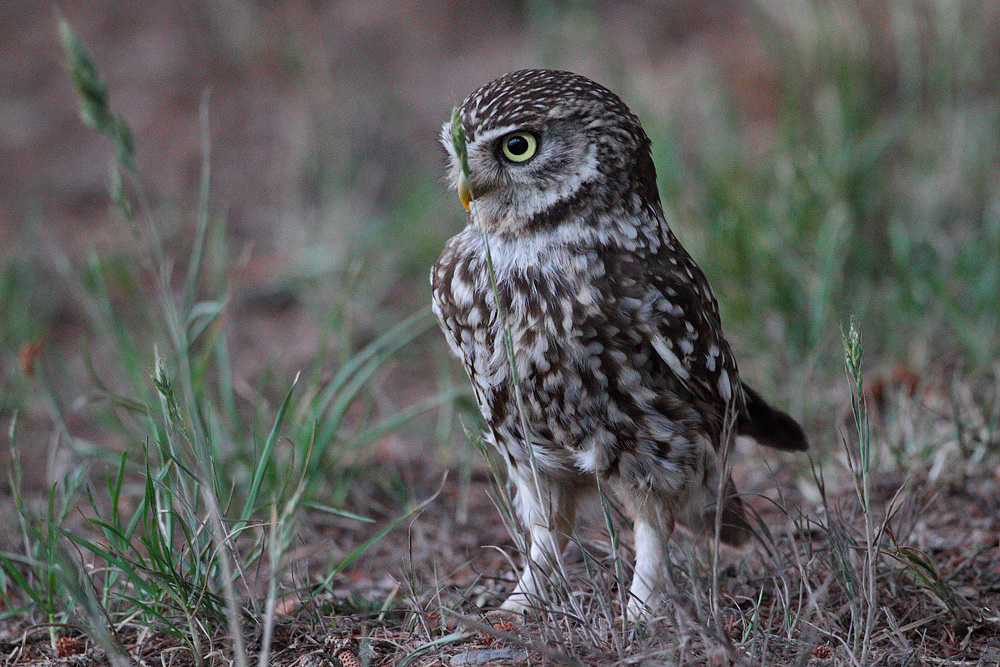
pixel 487 136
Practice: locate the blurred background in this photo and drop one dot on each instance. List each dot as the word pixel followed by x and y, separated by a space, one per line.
pixel 820 160
pixel 218 371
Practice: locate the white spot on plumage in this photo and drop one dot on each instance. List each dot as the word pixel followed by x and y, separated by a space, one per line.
pixel 725 387
pixel 687 347
pixel 663 348
pixel 712 357
pixel 592 456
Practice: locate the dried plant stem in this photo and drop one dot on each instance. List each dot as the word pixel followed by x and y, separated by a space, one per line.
pixel 861 470
pixel 458 141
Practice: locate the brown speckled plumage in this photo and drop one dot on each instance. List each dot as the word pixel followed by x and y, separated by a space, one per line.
pixel 625 373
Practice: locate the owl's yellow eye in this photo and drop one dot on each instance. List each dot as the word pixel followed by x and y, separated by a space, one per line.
pixel 519 146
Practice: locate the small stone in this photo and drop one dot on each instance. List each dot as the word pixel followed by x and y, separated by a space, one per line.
pixel 483 657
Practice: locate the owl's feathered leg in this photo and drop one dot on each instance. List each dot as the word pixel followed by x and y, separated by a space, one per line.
pixel 652 531
pixel 547 509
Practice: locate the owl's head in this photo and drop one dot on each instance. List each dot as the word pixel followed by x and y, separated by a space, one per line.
pixel 546 147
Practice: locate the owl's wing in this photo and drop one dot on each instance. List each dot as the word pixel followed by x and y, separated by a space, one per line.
pixel 686 333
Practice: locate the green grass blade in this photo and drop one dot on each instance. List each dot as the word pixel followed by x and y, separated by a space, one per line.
pixel 198 249
pixel 265 455
pixel 375 538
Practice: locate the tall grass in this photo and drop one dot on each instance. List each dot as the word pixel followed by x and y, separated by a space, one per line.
pixel 873 192
pixel 190 528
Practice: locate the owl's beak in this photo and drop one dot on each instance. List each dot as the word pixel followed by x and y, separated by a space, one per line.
pixel 464 191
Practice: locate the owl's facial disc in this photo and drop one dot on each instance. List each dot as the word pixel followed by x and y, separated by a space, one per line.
pixel 518 173
pixel 549 150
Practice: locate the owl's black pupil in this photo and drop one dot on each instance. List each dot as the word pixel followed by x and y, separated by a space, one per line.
pixel 517 145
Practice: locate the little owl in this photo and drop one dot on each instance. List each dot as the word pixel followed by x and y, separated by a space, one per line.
pixel 597 355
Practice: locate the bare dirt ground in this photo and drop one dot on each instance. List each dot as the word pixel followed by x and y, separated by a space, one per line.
pixel 440 571
pixel 321 115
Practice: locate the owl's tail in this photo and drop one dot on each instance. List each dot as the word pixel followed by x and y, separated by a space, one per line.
pixel 770 426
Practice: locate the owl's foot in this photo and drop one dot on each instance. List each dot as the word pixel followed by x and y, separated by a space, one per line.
pixel 516 603
pixel 638 612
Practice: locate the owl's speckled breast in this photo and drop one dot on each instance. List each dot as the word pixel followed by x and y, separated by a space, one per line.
pixel 545 332
pixel 591 385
